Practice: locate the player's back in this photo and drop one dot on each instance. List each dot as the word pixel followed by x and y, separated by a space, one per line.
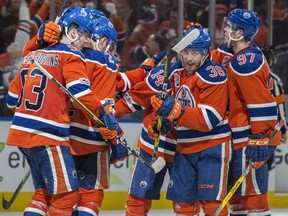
pixel 42 109
pixel 102 72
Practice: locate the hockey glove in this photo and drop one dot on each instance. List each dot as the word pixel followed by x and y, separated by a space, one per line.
pixel 48 33
pixel 258 150
pixel 192 24
pixel 169 107
pixel 166 127
pixel 118 152
pixel 111 124
pixel 149 63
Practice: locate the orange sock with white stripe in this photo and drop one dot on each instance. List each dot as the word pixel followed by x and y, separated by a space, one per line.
pixel 39 203
pixel 62 204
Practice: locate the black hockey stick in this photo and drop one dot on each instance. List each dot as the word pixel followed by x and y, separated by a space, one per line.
pixel 7 203
pixel 183 43
pixel 156 166
pixel 244 174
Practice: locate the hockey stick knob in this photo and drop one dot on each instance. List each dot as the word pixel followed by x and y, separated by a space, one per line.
pixel 159 164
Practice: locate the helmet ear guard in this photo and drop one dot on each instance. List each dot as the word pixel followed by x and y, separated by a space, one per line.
pixel 104 28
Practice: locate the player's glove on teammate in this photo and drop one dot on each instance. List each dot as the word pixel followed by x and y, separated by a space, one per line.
pixel 118 152
pixel 166 127
pixel 169 107
pixel 259 150
pixel 150 63
pixel 48 33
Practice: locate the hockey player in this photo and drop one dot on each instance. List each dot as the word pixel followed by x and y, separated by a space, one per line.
pixel 87 143
pixel 145 185
pixel 40 127
pixel 197 108
pixel 252 113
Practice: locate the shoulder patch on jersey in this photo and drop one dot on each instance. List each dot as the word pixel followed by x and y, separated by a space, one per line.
pixel 211 72
pixel 100 57
pixel 248 61
pixel 155 78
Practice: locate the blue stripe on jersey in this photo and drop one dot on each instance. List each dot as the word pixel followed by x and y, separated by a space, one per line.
pixel 262 112
pixel 213 119
pixel 37 126
pixel 163 144
pixel 241 135
pixel 11 99
pixel 78 87
pixel 38 21
pixel 185 133
pixel 86 134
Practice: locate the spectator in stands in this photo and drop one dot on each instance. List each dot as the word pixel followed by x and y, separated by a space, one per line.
pixel 261 38
pixel 220 13
pixel 169 27
pixel 154 44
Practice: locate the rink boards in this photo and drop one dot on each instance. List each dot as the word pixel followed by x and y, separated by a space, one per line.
pixel 14 167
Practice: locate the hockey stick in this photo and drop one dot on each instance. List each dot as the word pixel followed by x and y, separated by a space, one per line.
pixel 7 203
pixel 61 11
pixel 156 166
pixel 184 42
pixel 244 174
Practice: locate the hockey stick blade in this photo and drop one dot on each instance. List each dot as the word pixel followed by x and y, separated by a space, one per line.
pixel 244 174
pixel 7 203
pixel 184 42
pixel 91 114
pixel 158 164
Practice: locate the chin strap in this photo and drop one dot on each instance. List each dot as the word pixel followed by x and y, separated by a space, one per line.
pixel 67 35
pixel 233 39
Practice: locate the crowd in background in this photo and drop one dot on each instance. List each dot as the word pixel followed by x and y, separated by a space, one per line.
pixel 144 28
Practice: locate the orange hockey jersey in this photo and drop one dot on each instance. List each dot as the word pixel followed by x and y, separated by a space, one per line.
pixel 41 108
pixel 138 98
pixel 252 109
pixel 127 80
pixel 102 69
pixel 204 93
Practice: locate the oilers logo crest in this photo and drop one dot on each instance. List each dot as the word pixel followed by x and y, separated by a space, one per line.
pixel 185 96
